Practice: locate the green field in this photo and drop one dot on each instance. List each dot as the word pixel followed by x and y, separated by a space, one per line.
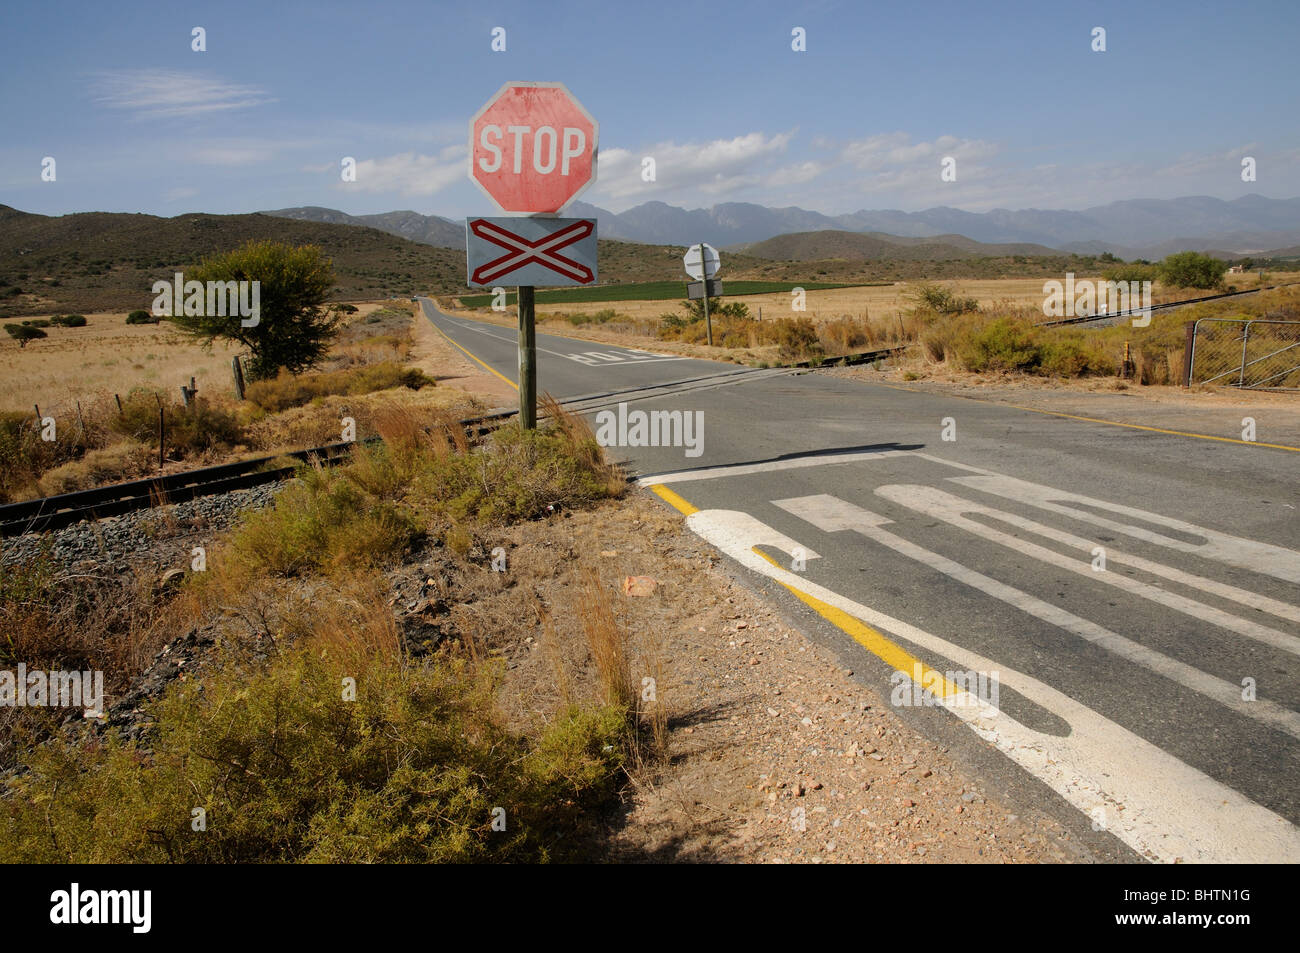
pixel 655 291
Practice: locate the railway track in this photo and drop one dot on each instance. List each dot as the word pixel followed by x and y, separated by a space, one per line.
pixel 66 509
pixel 1115 318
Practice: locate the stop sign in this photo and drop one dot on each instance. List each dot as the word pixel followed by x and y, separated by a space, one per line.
pixel 532 148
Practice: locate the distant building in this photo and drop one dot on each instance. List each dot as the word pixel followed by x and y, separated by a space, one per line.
pixel 1237 270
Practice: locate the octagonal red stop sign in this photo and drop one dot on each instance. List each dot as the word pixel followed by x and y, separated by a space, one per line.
pixel 532 148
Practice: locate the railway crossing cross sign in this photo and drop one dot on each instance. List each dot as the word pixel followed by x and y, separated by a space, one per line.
pixel 534 251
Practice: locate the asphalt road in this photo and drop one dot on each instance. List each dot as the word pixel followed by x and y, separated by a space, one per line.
pixel 1108 617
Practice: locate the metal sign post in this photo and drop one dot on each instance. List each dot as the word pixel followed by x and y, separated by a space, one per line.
pixel 704 265
pixel 702 262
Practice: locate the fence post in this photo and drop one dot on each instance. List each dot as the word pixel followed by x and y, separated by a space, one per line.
pixel 1245 340
pixel 238 373
pixel 1189 352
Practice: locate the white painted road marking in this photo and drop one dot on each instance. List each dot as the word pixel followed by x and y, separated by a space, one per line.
pixel 1158 805
pixel 830 514
pixel 1263 558
pixel 951 509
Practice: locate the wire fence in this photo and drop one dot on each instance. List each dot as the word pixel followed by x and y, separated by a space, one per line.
pixel 1256 354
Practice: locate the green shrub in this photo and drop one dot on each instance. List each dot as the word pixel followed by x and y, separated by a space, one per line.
pixel 140 316
pixel 37 323
pixel 1190 269
pixel 24 333
pixel 1134 272
pixel 288 771
pixel 940 300
pixel 1001 345
pixel 69 320
pixel 1068 358
pixel 516 475
pixel 327 519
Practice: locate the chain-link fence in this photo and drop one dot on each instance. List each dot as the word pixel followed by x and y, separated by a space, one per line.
pixel 1237 352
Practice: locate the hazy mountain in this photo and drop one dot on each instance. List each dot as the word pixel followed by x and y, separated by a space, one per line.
pixel 426 229
pixel 1135 228
pixel 1138 228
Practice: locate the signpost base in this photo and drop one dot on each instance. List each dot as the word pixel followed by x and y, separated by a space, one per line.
pixel 527 359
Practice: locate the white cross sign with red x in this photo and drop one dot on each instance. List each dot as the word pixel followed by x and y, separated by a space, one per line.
pixel 530 251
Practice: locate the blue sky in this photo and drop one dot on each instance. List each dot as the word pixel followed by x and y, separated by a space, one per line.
pixel 139 122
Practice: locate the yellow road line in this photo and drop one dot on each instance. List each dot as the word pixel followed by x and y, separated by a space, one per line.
pixel 468 354
pixel 672 499
pixel 874 642
pixel 1099 420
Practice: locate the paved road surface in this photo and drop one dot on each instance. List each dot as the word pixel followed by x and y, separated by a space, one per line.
pixel 1109 618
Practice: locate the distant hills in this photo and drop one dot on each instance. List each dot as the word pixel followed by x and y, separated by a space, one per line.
pixel 1137 228
pixel 108 261
pixel 426 229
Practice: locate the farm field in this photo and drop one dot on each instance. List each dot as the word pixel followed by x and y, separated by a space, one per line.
pixel 652 291
pixel 109 356
pixel 879 300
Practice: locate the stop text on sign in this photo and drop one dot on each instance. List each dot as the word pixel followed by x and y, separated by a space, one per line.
pixel 545 148
pixel 532 148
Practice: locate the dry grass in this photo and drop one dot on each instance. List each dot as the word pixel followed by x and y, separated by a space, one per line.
pixel 606 641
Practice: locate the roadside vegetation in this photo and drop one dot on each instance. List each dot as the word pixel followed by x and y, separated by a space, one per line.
pixel 321 729
pixel 309 366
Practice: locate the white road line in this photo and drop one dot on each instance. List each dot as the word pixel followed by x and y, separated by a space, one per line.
pixel 831 514
pixel 951 509
pixel 1158 805
pixel 1262 558
pixel 1247 598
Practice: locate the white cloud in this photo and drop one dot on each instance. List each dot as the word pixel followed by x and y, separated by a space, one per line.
pixel 410 173
pixel 165 93
pixel 182 192
pixel 713 168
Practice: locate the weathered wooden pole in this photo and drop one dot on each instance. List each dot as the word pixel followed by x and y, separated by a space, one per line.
pixel 527 359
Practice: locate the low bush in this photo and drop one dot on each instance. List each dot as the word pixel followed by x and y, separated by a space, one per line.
pixel 287 770
pixel 293 390
pixel 140 316
pixel 188 430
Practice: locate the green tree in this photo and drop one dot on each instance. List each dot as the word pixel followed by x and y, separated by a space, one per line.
pixel 294 327
pixel 22 333
pixel 1191 269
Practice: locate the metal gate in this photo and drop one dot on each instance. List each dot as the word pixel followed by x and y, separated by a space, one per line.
pixel 1258 353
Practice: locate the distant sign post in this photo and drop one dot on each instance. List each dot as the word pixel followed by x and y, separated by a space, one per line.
pixel 702 262
pixel 532 150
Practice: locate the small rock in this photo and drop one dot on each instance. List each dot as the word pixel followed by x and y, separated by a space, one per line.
pixel 638 585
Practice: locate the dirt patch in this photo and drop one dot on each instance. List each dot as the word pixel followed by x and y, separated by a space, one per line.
pixel 772 752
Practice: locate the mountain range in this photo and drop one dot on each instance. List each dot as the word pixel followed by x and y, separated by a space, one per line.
pixel 1135 228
